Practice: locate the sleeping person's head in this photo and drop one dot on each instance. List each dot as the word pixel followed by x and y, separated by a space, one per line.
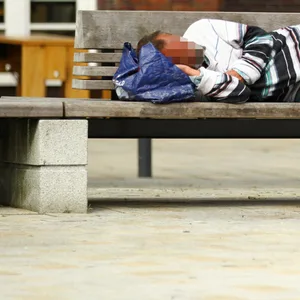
pixel 175 47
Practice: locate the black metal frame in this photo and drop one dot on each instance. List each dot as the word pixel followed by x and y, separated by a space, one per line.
pixel 145 158
pixel 200 128
pixel 145 129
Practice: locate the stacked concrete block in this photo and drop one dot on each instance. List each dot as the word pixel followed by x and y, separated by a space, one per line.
pixel 45 165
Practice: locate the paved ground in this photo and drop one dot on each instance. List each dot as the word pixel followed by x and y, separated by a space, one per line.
pixel 211 248
pixel 152 252
pixel 197 169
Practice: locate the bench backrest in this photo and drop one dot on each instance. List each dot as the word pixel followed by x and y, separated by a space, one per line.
pixel 106 31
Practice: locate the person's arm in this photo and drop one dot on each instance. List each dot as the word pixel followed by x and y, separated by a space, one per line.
pixel 255 43
pixel 218 86
pixel 256 55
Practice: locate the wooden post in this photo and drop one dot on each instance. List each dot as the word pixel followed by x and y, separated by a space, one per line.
pixel 32 80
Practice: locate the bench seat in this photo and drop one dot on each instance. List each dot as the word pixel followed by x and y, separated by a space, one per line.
pixel 18 107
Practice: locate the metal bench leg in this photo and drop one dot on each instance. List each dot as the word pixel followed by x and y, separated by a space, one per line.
pixel 145 160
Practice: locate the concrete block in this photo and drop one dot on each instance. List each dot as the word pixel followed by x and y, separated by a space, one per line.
pixel 47 142
pixel 47 189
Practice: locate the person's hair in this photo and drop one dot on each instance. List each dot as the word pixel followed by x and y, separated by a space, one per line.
pixel 151 38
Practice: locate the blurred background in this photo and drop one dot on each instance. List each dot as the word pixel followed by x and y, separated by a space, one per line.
pixel 203 5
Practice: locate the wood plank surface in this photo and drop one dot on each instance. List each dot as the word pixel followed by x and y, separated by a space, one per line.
pixel 94 71
pixel 42 99
pixel 92 84
pixel 97 57
pixel 122 109
pixel 93 108
pixel 26 109
pixel 110 29
pixel 70 92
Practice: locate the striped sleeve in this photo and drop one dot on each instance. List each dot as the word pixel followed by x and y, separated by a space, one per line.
pixel 257 47
pixel 222 87
pixel 256 55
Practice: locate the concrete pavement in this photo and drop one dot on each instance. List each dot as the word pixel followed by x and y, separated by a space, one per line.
pixel 224 244
pixel 197 169
pixel 207 252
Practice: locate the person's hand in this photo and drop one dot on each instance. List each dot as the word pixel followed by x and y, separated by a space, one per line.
pixel 188 70
pixel 192 72
pixel 235 74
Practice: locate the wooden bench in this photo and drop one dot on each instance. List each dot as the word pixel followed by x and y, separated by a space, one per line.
pixel 106 31
pixel 43 141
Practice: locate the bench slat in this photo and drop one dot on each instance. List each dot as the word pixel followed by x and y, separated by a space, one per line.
pixel 94 71
pixel 97 57
pixel 38 99
pixel 81 84
pixel 30 99
pixel 110 29
pixel 11 107
pixel 122 109
pixel 26 109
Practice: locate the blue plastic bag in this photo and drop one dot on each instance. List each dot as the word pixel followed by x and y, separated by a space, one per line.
pixel 151 78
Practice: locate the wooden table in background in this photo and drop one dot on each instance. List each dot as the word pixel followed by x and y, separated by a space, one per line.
pixel 37 59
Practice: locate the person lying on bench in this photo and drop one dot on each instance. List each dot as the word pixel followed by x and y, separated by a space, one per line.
pixel 241 62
